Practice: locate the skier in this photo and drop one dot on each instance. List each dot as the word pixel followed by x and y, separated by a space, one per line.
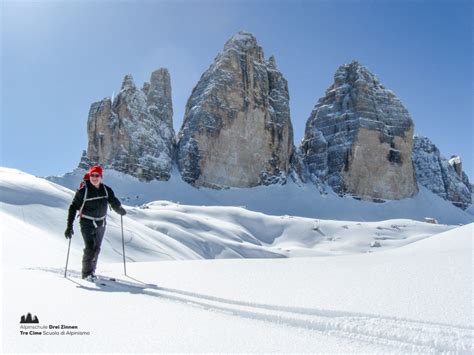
pixel 91 201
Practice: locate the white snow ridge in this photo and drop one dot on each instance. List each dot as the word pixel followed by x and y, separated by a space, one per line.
pixel 276 283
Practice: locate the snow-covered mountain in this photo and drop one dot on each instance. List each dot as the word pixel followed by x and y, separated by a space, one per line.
pixel 439 175
pixel 413 293
pixel 359 138
pixel 133 132
pixel 237 132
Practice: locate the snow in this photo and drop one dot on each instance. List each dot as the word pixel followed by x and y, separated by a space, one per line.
pixel 303 200
pixel 331 293
pixel 455 160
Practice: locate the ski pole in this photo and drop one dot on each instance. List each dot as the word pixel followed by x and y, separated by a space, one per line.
pixel 123 247
pixel 67 259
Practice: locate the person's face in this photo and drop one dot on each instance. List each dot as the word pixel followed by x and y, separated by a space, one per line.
pixel 95 178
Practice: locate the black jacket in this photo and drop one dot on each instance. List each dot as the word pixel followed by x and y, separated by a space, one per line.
pixel 94 208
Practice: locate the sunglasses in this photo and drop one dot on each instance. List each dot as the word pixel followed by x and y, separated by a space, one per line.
pixel 95 175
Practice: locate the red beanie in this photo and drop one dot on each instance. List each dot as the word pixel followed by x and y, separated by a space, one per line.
pixel 96 169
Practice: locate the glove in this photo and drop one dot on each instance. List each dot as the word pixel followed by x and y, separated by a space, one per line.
pixel 69 232
pixel 121 211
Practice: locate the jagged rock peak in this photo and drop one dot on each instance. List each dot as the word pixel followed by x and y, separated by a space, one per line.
pixel 241 40
pixel 160 85
pixel 354 71
pixel 271 63
pixel 134 134
pixel 159 96
pixel 128 83
pixel 358 138
pixel 439 175
pixel 237 130
pixel 246 43
pixel 145 87
pixel 160 75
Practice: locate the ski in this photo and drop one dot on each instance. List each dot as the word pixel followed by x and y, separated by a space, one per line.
pixel 112 281
pixel 105 278
pixel 95 282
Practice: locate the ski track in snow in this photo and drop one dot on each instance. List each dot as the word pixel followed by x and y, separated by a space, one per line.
pixel 396 333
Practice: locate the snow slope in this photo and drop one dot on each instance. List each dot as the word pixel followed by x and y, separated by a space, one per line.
pixel 412 294
pixel 416 298
pixel 35 211
pixel 289 199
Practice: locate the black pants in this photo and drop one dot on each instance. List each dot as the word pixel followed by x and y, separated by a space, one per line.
pixel 92 241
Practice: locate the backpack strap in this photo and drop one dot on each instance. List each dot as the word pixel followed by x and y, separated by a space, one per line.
pixel 106 193
pixel 94 219
pixel 84 200
pixel 91 199
pixel 107 196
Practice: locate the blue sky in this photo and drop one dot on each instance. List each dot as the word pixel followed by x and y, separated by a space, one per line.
pixel 57 57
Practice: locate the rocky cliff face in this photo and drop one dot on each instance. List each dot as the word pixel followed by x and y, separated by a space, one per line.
pixel 134 134
pixel 358 138
pixel 442 177
pixel 237 130
pixel 237 133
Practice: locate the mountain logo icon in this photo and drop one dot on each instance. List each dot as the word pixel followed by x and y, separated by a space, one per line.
pixel 29 319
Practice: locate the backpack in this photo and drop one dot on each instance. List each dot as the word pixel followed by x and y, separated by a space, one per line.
pixel 81 215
